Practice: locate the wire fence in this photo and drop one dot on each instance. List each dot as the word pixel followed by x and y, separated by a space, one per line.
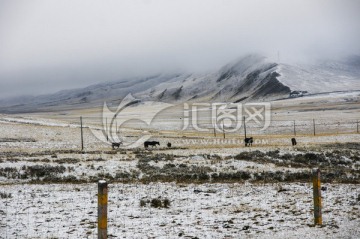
pixel 33 211
pixel 70 210
pixel 273 127
pixel 97 134
pixel 207 125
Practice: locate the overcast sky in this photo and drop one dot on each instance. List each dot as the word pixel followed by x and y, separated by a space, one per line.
pixel 49 45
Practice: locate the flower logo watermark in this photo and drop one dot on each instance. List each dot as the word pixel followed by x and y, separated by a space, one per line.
pixel 113 121
pixel 200 117
pixel 229 117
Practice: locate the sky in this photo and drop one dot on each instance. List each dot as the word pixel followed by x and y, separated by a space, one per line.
pixel 50 45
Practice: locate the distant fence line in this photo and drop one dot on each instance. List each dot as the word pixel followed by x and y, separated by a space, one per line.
pixel 53 212
pixel 276 127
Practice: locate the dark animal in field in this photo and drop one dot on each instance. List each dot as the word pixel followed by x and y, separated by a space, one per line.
pixel 249 141
pixel 293 141
pixel 116 145
pixel 245 228
pixel 151 143
pixel 169 145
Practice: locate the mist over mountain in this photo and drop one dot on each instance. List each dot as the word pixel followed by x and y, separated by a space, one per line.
pixel 47 46
pixel 250 78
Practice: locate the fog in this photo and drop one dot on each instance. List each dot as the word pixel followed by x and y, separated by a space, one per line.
pixel 49 45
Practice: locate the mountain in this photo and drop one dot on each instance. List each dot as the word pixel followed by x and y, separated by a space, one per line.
pixel 250 78
pixel 90 96
pixel 325 76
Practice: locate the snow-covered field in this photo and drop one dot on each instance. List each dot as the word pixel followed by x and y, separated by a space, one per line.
pixel 48 186
pixel 195 211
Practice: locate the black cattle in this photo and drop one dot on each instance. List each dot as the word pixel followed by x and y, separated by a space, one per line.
pixel 169 145
pixel 293 141
pixel 249 141
pixel 117 145
pixel 151 143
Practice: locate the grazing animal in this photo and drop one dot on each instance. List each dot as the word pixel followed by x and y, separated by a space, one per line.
pixel 293 141
pixel 169 145
pixel 151 143
pixel 249 141
pixel 117 145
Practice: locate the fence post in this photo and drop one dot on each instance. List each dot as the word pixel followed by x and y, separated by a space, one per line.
pixel 314 127
pixel 317 196
pixel 357 126
pixel 82 138
pixel 294 129
pixel 223 129
pixel 244 127
pixel 107 132
pixel 214 132
pixel 102 209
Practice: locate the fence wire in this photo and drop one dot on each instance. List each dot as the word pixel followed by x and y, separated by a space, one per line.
pixel 213 210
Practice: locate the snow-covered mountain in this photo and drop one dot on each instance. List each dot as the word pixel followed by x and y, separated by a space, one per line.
pixel 251 78
pixel 90 96
pixel 248 78
pixel 326 76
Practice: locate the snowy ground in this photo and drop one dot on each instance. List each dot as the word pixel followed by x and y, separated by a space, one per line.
pixel 195 211
pixel 37 151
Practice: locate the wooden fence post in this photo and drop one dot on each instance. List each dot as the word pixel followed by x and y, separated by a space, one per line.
pixel 82 138
pixel 317 196
pixel 107 132
pixel 314 127
pixel 244 127
pixel 294 128
pixel 102 209
pixel 357 126
pixel 223 129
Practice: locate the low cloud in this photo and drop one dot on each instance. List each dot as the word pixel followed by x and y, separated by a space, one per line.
pixel 50 45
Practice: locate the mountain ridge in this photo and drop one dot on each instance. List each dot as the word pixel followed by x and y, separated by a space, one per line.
pixel 250 78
